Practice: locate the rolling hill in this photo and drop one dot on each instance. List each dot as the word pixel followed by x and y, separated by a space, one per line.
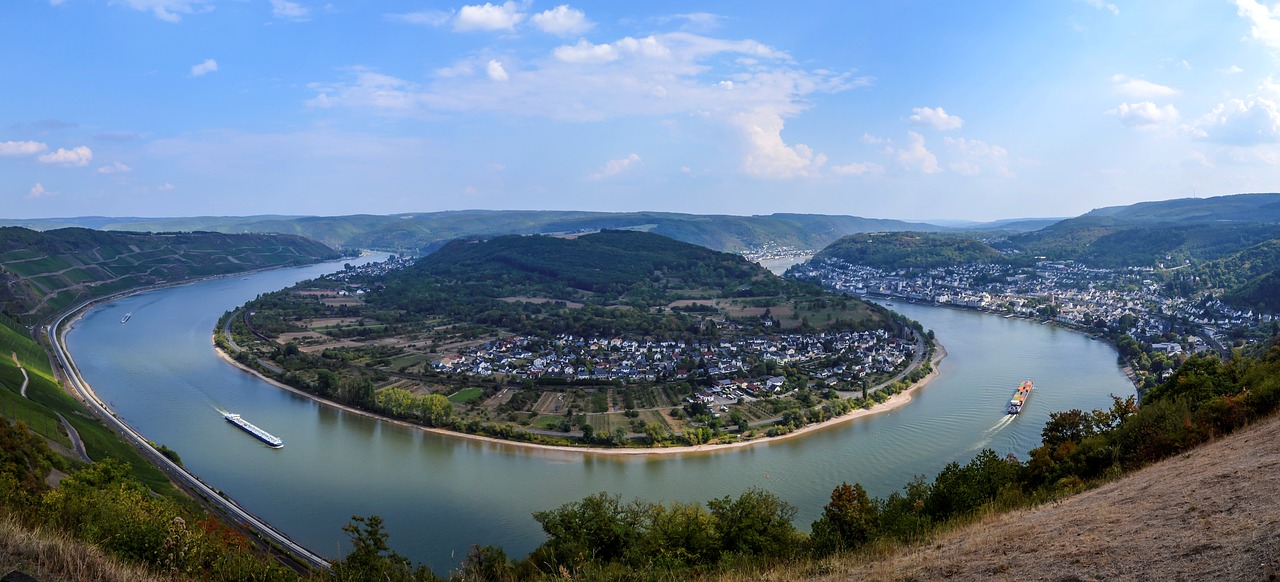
pixel 46 271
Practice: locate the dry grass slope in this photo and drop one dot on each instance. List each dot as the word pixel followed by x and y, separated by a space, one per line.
pixel 51 556
pixel 1211 514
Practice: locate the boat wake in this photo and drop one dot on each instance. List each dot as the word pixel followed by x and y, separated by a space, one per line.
pixel 990 434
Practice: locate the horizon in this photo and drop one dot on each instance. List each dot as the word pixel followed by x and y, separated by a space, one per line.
pixel 927 112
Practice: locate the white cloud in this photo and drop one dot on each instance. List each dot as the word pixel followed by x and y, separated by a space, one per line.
pixel 488 17
pixel 972 157
pixel 1102 5
pixel 168 10
pixel 424 18
pixel 77 156
pixel 916 157
pixel 204 68
pixel 614 167
pixel 1232 70
pixel 768 156
pixel 674 74
pixel 1141 88
pixel 1266 21
pixel 562 20
pixel 372 90
pixel 165 187
pixel 858 169
pixel 585 52
pixel 114 168
pixel 22 148
pixel 1241 122
pixel 287 10
pixel 495 71
pixel 1146 115
pixel 702 21
pixel 38 191
pixel 935 118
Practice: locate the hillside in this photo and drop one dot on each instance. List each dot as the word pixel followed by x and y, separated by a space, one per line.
pixel 419 233
pixel 1210 514
pixel 909 250
pixel 46 271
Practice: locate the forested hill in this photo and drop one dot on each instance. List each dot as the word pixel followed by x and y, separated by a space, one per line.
pixel 909 250
pixel 614 263
pixel 622 281
pixel 46 271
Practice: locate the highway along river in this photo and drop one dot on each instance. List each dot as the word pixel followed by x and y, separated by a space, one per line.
pixel 440 494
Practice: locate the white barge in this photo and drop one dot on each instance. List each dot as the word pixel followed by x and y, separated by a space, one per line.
pixel 262 435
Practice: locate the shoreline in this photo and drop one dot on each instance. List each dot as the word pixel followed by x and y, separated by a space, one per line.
pixel 895 401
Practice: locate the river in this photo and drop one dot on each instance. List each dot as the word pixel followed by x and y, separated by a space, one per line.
pixel 440 494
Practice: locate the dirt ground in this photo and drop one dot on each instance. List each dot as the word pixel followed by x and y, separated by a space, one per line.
pixel 1212 514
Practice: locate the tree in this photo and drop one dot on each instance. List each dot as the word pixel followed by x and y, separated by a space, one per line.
pixel 757 523
pixel 371 558
pixel 850 520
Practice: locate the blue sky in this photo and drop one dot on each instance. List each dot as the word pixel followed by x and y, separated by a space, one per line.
pixel 914 110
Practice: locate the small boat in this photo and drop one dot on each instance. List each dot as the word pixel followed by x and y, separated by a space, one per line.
pixel 257 433
pixel 1020 397
pixel 126 317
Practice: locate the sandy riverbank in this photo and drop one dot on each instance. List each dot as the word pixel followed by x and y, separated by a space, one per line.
pixel 893 402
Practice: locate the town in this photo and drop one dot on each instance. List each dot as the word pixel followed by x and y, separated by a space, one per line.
pixel 1123 301
pixel 835 358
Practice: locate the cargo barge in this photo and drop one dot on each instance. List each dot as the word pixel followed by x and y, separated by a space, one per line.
pixel 257 433
pixel 1020 397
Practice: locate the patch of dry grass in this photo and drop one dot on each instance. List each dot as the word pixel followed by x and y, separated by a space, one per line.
pixel 51 556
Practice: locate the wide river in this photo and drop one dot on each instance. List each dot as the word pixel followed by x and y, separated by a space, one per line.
pixel 440 494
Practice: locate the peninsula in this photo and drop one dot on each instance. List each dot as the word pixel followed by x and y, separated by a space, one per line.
pixel 616 340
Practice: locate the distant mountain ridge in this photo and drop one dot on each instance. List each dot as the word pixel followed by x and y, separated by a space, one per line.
pixel 421 233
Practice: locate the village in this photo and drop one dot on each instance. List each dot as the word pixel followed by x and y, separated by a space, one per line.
pixel 829 357
pixel 1064 292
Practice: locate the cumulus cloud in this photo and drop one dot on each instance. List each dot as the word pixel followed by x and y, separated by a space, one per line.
pixel 286 10
pixel 1266 21
pixel 858 169
pixel 973 157
pixel 916 157
pixel 1141 88
pixel 76 156
pixel 495 71
pixel 22 148
pixel 935 118
pixel 168 10
pixel 38 191
pixel 488 17
pixel 114 168
pixel 614 167
pixel 1241 122
pixel 204 68
pixel 768 155
pixel 1146 115
pixel 585 52
pixel 562 20
pixel 1232 70
pixel 744 86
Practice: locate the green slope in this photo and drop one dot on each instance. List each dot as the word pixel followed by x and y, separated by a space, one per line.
pixel 46 271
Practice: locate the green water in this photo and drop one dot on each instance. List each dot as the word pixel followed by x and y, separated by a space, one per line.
pixel 441 494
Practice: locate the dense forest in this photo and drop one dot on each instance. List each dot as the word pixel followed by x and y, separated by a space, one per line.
pixel 909 250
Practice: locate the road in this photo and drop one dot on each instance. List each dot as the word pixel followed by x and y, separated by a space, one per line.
pixel 173 470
